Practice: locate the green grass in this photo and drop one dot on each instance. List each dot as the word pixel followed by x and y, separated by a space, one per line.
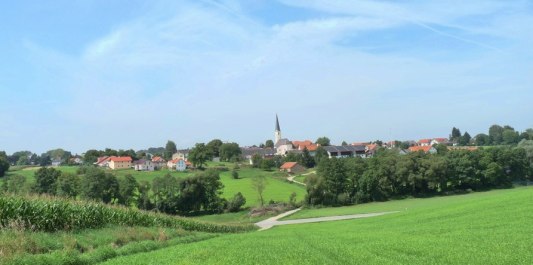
pixel 480 228
pixel 277 188
pixel 21 246
pixel 241 217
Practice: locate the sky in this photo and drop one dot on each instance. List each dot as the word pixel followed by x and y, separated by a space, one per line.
pixel 81 74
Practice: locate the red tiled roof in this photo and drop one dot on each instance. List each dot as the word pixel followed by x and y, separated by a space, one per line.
pixel 102 159
pixel 441 140
pixel 361 143
pixel 424 141
pixel 157 159
pixel 420 148
pixel 120 159
pixel 371 147
pixel 288 165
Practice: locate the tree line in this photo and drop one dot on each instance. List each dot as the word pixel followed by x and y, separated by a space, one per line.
pixel 168 194
pixel 391 175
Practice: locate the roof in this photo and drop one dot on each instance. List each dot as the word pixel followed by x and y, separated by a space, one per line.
pixel 420 148
pixel 288 165
pixel 348 148
pixel 283 141
pixel 371 147
pixel 300 145
pixel 141 161
pixel 102 159
pixel 157 159
pixel 277 124
pixel 120 159
pixel 361 143
pixel 441 140
pixel 424 141
pixel 250 151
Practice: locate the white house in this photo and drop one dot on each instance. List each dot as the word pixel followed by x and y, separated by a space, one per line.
pixel 144 165
pixel 181 165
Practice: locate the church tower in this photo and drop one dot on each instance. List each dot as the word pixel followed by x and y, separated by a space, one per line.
pixel 277 132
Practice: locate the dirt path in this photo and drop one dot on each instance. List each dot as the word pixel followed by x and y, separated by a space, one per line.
pixel 291 178
pixel 268 223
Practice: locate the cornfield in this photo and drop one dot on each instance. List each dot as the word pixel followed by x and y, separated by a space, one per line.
pixel 50 214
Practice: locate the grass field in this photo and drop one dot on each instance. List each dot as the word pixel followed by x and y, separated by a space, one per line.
pixel 277 188
pixel 479 228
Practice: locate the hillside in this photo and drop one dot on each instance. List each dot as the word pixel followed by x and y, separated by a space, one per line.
pixel 480 228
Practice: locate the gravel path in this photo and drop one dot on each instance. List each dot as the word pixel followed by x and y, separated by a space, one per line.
pixel 273 221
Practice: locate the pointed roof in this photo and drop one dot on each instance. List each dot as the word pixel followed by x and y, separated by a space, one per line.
pixel 277 124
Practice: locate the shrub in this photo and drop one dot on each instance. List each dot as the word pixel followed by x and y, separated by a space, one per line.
pixel 235 174
pixel 235 204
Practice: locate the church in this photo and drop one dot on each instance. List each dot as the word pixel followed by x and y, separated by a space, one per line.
pixel 282 145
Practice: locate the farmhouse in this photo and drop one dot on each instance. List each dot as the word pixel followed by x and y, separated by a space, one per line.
pixel 425 149
pixel 102 161
pixel 144 165
pixel 158 162
pixel 248 152
pixel 424 142
pixel 346 151
pixel 291 167
pixel 119 162
pixel 181 154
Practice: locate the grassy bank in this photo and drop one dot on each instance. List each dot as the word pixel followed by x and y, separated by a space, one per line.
pixel 481 228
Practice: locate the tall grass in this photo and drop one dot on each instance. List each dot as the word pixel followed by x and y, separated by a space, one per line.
pixel 42 213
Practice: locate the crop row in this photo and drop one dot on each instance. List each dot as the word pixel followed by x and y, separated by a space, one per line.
pixel 53 214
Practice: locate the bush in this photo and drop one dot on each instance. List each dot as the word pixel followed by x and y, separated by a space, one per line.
pixel 236 202
pixel 235 174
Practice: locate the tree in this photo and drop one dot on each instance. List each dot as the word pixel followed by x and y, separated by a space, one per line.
pixel 320 154
pixel 334 172
pixel 213 148
pixel 23 160
pixel 68 185
pixel 127 189
pixel 166 193
pixel 235 204
pixel 496 134
pixel 46 180
pixel 344 143
pixel 198 155
pixel 15 184
pixel 323 141
pixel 510 136
pixel 456 133
pixel 170 149
pixel 144 201
pixel 45 160
pixel 259 184
pixel 256 160
pixel 269 144
pixel 91 156
pixel 99 185
pixel 234 174
pixel 230 152
pixel 306 159
pixel 4 165
pixel 465 139
pixel 482 139
pixel 267 164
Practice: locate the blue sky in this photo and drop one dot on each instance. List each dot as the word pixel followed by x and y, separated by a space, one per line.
pixel 134 74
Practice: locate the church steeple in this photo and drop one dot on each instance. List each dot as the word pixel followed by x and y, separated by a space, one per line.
pixel 277 132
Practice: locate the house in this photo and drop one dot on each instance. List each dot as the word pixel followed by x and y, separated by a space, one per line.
pixel 346 151
pixel 425 149
pixel 371 149
pixel 301 145
pixel 158 162
pixel 56 162
pixel 144 165
pixel 292 167
pixel 178 164
pixel 283 146
pixel 181 165
pixel 439 141
pixel 119 162
pixel 248 152
pixel 181 154
pixel 76 160
pixel 424 142
pixel 102 161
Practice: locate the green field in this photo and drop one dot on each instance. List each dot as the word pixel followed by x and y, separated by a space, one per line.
pixel 277 189
pixel 479 228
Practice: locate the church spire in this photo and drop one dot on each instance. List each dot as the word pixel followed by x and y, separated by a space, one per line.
pixel 277 124
pixel 277 132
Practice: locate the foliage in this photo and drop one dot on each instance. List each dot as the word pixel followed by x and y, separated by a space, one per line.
pixel 199 155
pixel 15 184
pixel 45 180
pixel 235 204
pixel 213 148
pixel 170 149
pixel 230 152
pixel 4 166
pixel 99 185
pixel 323 141
pixel 234 174
pixel 388 174
pixel 259 185
pixel 68 185
pixel 267 164
pixel 128 188
pixel 269 144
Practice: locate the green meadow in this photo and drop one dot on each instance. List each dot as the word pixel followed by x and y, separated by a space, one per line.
pixel 277 188
pixel 479 228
